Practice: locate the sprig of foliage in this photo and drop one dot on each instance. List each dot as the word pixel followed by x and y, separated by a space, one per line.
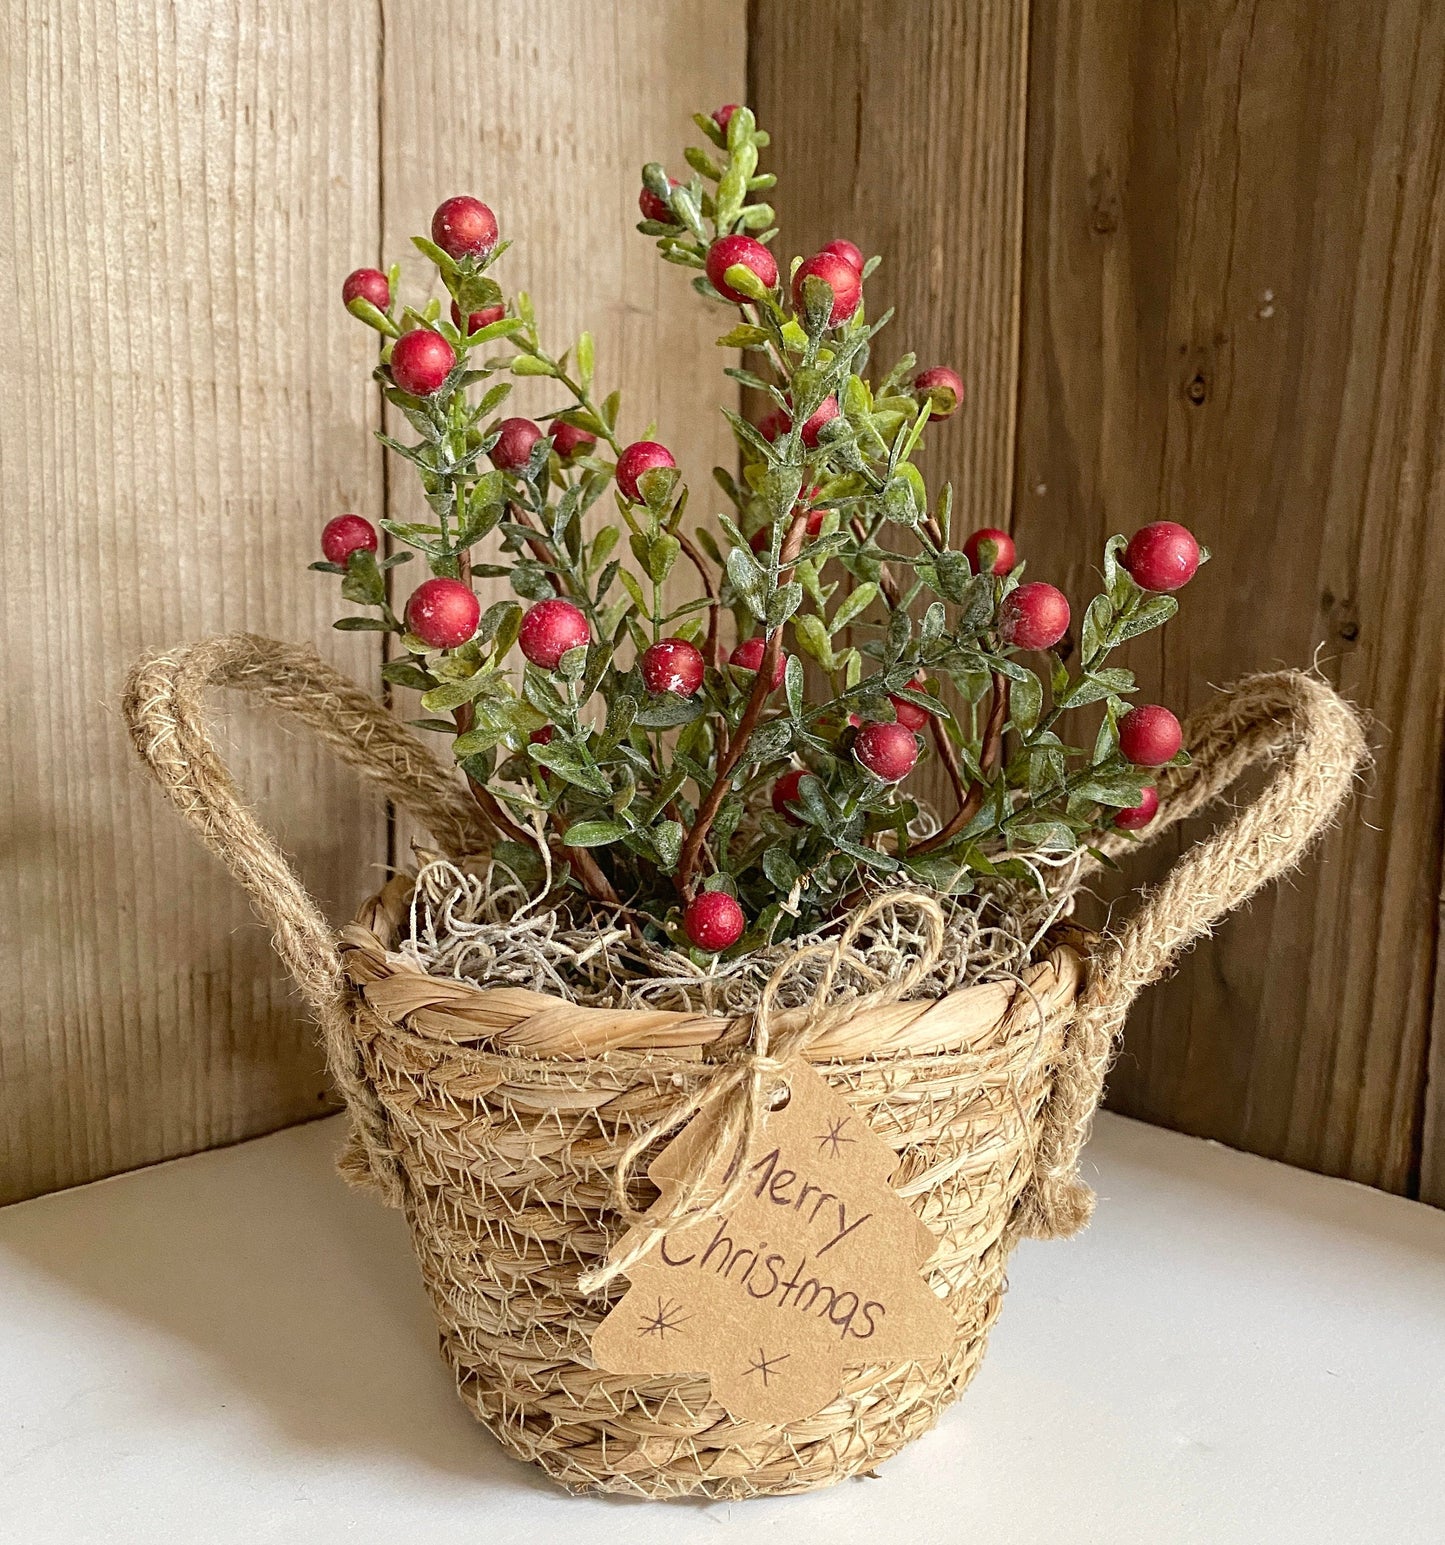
pixel 832 551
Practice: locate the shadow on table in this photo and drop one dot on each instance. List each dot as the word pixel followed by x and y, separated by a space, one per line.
pixel 303 1294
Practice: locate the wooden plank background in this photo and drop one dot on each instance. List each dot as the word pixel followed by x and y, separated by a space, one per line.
pixel 186 403
pixel 1230 315
pixel 1187 259
pixel 1233 318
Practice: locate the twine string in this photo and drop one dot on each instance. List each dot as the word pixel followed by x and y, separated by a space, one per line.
pixel 735 1098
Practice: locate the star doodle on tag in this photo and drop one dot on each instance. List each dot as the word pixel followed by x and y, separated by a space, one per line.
pixel 817 1268
pixel 833 1138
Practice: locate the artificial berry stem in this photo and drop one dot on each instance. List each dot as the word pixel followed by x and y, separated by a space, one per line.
pixel 738 743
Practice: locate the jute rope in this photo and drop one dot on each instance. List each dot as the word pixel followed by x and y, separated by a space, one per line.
pixel 1286 717
pixel 164 707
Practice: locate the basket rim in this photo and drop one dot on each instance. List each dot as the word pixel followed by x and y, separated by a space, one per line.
pixel 520 1023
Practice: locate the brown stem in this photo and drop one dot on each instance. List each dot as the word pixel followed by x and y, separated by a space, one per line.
pixel 942 744
pixel 991 755
pixel 709 648
pixel 582 864
pixel 762 686
pixel 541 551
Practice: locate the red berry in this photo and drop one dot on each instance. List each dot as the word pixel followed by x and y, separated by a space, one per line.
pixel 464 227
pixel 674 665
pixel 420 361
pixel 1133 818
pixel 1149 736
pixel 655 208
pixel 347 534
pixel 773 424
pixel 515 439
pixel 713 920
pixel 840 276
pixel 443 613
pixel 543 737
pixel 910 715
pixel 848 252
pixel 640 457
pixel 549 630
pixel 477 319
pixel 749 656
pixel 728 252
pixel 366 284
pixel 568 439
pixel 888 751
pixel 724 115
pixel 1005 553
pixel 942 386
pixel 785 793
pixel 1034 617
pixel 1162 556
pixel 824 413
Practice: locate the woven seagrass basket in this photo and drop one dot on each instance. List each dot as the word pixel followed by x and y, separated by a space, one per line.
pixel 496 1118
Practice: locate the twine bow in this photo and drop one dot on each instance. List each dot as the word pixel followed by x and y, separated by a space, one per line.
pixel 738 1093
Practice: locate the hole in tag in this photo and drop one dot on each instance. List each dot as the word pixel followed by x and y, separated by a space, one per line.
pixel 778 1099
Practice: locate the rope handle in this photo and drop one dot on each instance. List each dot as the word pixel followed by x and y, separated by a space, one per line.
pixel 1286 718
pixel 164 707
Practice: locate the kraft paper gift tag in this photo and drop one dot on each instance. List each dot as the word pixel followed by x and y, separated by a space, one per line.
pixel 816 1269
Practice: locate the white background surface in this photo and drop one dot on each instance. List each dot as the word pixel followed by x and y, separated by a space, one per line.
pixel 235 1347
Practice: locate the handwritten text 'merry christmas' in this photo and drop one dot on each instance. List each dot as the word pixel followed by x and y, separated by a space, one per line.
pixel 767 1277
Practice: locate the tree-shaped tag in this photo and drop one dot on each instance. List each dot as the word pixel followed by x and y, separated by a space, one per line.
pixel 815 1269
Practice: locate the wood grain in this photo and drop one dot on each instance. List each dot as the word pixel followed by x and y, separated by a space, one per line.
pixel 1233 318
pixel 188 401
pixel 901 128
pixel 182 409
pixel 548 114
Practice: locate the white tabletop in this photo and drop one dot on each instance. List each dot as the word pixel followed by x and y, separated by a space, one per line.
pixel 235 1347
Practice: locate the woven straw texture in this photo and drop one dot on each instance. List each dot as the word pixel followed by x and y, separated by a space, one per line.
pixel 499 1119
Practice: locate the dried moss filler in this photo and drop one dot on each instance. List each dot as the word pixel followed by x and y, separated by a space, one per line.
pixel 512 1126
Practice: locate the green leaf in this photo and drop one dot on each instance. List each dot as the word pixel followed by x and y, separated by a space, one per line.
pixel 662 553
pixel 530 365
pixel 361 625
pixel 568 764
pixel 631 586
pixel 667 837
pixel 1096 626
pixel 783 604
pixel 1048 836
pixel 586 360
pixel 405 673
pixel 769 741
pixel 749 580
pixel 812 637
pixel 363 310
pixel 1026 702
pixel 1120 791
pixel 594 834
pixel 1158 609
pixel 793 686
pixel 778 865
pixel 443 260
pixel 743 336
pixel 854 605
pixel 363 583
pixel 668 711
pixel 452 694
